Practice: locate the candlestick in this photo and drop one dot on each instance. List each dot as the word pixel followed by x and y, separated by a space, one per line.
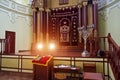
pixel 85 32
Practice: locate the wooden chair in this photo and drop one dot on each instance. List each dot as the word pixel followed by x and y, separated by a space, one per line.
pixel 89 67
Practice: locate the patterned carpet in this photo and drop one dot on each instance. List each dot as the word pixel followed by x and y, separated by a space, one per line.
pixel 15 76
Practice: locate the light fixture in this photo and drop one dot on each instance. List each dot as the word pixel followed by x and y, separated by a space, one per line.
pixel 39 46
pixel 51 46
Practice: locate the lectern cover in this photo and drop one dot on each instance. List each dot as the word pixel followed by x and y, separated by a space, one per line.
pixel 42 60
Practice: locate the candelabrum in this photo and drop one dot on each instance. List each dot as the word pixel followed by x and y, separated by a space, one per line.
pixel 84 32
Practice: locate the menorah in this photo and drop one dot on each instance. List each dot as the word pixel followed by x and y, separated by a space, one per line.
pixel 84 32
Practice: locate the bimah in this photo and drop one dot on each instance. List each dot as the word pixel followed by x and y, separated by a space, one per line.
pixel 43 68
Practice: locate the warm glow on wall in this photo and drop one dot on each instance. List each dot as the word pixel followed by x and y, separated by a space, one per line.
pixel 51 46
pixel 39 46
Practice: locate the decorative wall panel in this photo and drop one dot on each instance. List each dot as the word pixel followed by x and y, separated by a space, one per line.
pixel 15 6
pixel 65 22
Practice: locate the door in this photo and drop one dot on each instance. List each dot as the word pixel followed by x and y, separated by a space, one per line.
pixel 10 42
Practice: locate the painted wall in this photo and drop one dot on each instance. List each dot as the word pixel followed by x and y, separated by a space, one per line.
pixel 109 20
pixel 15 17
pixel 24 2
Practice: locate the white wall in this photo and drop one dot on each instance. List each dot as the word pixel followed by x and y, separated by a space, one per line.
pixel 109 21
pixel 24 2
pixel 15 17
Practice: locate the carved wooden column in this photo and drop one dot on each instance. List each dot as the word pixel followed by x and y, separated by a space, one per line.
pixel 40 25
pixel 34 29
pixel 37 6
pixel 80 21
pixel 95 21
pixel 34 25
pixel 84 14
pixel 90 14
pixel 95 18
pixel 33 6
pixel 80 15
pixel 47 26
pixel 90 22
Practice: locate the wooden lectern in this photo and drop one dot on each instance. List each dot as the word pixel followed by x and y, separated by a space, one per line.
pixel 43 68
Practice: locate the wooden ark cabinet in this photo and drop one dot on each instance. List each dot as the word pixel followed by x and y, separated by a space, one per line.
pixel 60 25
pixel 64 23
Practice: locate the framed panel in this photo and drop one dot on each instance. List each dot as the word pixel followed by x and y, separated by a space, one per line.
pixel 62 2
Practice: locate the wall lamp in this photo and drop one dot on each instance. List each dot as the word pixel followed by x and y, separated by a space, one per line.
pixel 50 46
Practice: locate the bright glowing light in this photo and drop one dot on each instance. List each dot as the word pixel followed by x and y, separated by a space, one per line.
pixel 52 46
pixel 39 46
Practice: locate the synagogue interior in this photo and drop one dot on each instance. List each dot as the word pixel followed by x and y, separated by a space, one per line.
pixel 59 40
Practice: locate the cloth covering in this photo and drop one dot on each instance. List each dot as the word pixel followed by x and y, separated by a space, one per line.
pixel 42 60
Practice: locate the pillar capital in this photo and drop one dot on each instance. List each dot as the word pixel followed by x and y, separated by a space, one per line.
pixel 95 2
pixel 41 9
pixel 79 6
pixel 47 10
pixel 85 3
pixel 34 10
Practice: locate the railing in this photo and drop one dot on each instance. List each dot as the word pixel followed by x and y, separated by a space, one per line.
pixel 112 51
pixel 16 63
pixel 98 43
pixel 101 44
pixel 2 46
pixel 114 57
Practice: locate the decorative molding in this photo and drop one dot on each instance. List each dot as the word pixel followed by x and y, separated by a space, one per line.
pixel 103 3
pixel 14 10
pixel 11 5
pixel 12 15
pixel 5 11
pixel 113 6
pixel 4 3
pixel 62 2
pixel 105 13
pixel 21 8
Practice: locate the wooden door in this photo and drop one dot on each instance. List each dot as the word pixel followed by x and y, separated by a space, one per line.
pixel 10 42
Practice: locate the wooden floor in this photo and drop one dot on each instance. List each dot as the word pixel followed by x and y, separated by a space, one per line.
pixel 15 76
pixel 22 76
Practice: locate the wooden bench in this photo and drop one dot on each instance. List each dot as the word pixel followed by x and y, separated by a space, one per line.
pixel 92 76
pixel 65 69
